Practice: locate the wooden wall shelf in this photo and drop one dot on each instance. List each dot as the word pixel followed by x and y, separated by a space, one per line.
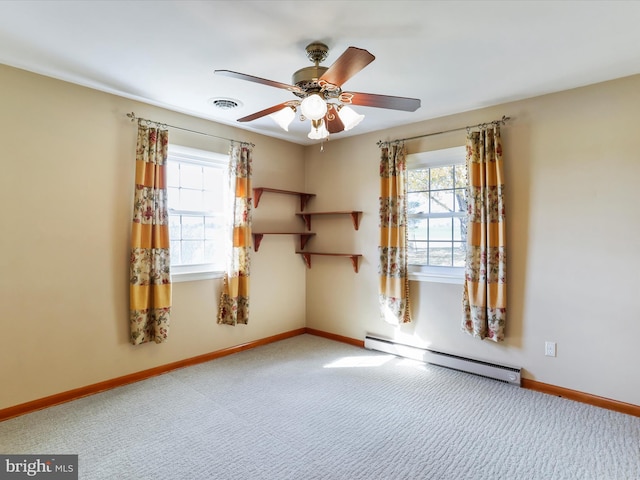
pixel 306 217
pixel 355 257
pixel 355 216
pixel 304 197
pixel 304 237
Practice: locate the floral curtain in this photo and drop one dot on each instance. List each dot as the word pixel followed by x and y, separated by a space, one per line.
pixel 233 308
pixel 485 287
pixel 394 281
pixel 150 276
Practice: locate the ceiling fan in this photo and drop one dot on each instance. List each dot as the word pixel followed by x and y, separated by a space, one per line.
pixel 321 98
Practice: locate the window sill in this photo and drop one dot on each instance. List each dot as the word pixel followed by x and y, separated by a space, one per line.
pixel 195 276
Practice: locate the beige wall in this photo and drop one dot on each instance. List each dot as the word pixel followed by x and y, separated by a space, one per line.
pixel 66 186
pixel 572 166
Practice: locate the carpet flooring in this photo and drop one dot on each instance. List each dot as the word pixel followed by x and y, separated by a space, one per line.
pixel 309 408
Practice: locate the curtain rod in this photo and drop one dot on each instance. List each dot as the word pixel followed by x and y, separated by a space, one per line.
pixel 133 118
pixel 480 125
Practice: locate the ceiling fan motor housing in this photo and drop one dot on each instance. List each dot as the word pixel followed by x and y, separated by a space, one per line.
pixel 307 79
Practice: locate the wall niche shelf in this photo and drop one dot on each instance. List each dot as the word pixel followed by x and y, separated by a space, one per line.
pixel 355 217
pixel 304 197
pixel 304 237
pixel 355 257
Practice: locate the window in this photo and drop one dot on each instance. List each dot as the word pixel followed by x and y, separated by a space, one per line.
pixel 437 212
pixel 196 188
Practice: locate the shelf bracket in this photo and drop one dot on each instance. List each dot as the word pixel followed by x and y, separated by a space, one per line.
pixel 356 220
pixel 257 238
pixel 307 220
pixel 307 259
pixel 304 238
pixel 257 193
pixel 354 262
pixel 304 198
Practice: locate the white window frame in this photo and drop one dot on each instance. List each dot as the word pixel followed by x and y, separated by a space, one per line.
pixel 432 159
pixel 188 273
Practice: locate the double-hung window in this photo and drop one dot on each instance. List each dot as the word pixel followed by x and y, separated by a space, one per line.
pixel 196 188
pixel 437 213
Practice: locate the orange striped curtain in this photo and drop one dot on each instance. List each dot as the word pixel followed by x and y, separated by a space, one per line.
pixel 150 276
pixel 233 308
pixel 485 288
pixel 394 281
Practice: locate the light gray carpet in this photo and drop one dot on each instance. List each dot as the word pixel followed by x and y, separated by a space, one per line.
pixel 310 408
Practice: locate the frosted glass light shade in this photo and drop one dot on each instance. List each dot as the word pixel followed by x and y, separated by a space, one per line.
pixel 349 117
pixel 314 107
pixel 318 132
pixel 284 117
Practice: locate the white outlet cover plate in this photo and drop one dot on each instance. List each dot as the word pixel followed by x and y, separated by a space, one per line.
pixel 550 349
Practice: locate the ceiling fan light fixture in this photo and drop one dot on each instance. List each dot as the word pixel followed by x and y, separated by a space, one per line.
pixel 314 107
pixel 349 117
pixel 284 117
pixel 318 130
pixel 319 89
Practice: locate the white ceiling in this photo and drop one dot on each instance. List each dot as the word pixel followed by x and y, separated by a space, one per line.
pixel 454 56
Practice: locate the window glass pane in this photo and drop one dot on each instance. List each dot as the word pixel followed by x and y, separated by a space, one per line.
pixel 440 228
pixel 191 200
pixel 192 252
pixel 192 228
pixel 213 200
pixel 190 176
pixel 418 229
pixel 418 179
pixel 213 178
pixel 174 227
pixel 459 251
pixel 417 253
pixel 437 207
pixel 197 189
pixel 173 174
pixel 441 177
pixel 461 176
pixel 442 201
pixel 440 254
pixel 213 228
pixel 175 252
pixel 461 200
pixel 418 202
pixel 213 254
pixel 460 229
pixel 209 227
pixel 174 198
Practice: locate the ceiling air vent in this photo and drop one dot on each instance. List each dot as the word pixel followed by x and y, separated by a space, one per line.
pixel 225 103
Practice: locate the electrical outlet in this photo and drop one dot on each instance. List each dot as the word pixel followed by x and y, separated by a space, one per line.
pixel 550 349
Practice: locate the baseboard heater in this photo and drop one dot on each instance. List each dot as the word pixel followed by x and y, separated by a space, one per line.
pixel 503 373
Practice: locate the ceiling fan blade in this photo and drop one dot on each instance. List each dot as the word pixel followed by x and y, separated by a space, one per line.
pixel 262 113
pixel 347 65
pixel 332 122
pixel 263 81
pixel 383 101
